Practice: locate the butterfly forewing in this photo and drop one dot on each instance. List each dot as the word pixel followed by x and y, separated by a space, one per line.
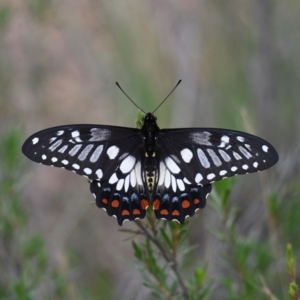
pixel 90 150
pixel 206 155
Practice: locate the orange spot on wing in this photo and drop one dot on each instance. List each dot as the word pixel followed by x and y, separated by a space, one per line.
pixel 164 212
pixel 156 204
pixel 144 204
pixel 136 211
pixel 196 201
pixel 125 212
pixel 175 212
pixel 104 200
pixel 115 203
pixel 185 204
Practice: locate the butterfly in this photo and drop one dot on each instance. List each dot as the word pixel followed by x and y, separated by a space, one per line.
pixel 129 169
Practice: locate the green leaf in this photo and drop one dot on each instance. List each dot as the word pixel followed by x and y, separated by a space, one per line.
pixel 165 237
pixel 138 253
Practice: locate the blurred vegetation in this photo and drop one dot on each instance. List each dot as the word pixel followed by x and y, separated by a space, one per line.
pixel 239 62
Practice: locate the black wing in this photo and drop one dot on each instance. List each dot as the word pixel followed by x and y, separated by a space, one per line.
pixel 110 156
pixel 193 158
pixel 206 155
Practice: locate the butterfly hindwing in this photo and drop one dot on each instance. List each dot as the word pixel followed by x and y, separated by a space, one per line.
pixel 123 195
pixel 175 197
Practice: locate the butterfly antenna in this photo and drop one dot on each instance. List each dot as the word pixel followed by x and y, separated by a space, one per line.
pixel 167 96
pixel 129 97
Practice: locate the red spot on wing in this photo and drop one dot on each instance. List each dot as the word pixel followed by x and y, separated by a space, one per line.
pixel 125 212
pixel 104 200
pixel 136 211
pixel 185 204
pixel 144 204
pixel 175 212
pixel 196 201
pixel 115 203
pixel 164 212
pixel 156 204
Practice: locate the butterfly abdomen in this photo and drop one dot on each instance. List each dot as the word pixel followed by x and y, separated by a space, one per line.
pixel 150 172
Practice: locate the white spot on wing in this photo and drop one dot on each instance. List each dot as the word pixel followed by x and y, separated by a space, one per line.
pixel 224 141
pixel 60 132
pixel 112 152
pixel 63 149
pixel 87 171
pixel 162 171
pixel 99 134
pixel 233 169
pixel 245 167
pixel 113 178
pixel 201 138
pixel 76 166
pixel 120 184
pixel 55 145
pixel 265 148
pixel 186 181
pixel 132 178
pixel 44 156
pixel 214 157
pixel 180 185
pixel 127 164
pixel 186 155
pixel 35 140
pixel 236 155
pixel 198 178
pixel 224 155
pixel 52 139
pixel 174 185
pixel 138 173
pixel 75 133
pixel 172 166
pixel 245 152
pixel 223 172
pixel 65 162
pixel 203 159
pixel 126 184
pixel 54 159
pixel 211 176
pixel 99 173
pixel 167 179
pixel 96 154
pixel 240 138
pixel 85 152
pixel 74 150
pixel 255 164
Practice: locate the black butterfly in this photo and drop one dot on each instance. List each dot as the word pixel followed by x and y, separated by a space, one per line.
pixel 169 169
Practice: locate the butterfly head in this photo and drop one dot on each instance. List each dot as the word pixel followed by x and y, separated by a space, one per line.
pixel 149 119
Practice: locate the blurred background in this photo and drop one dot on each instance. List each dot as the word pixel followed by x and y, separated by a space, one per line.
pixel 59 60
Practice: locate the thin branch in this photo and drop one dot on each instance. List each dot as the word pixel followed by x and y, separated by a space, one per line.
pixel 171 260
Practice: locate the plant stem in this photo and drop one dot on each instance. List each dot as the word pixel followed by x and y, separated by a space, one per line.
pixel 169 259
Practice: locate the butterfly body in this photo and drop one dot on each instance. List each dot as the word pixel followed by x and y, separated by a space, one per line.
pixel 169 169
